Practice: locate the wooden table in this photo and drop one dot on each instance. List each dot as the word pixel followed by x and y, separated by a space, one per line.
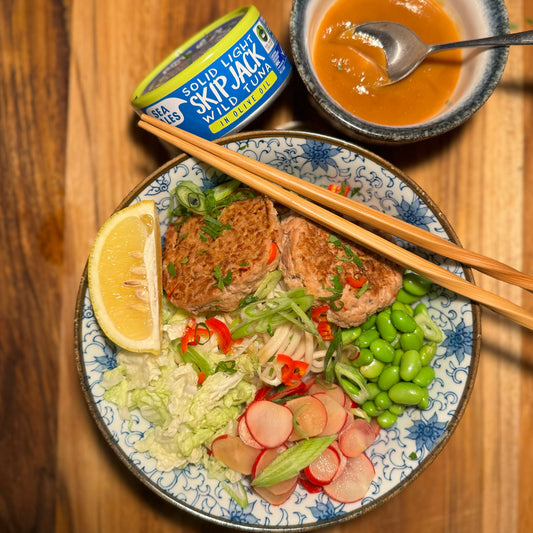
pixel 70 150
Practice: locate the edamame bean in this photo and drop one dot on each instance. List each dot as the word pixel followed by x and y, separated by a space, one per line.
pixel 420 332
pixel 382 401
pixel 349 335
pixel 397 409
pixel 406 298
pixel 389 377
pixel 373 370
pixel 369 322
pixel 384 325
pixel 365 358
pixel 402 321
pixel 406 393
pixel 427 352
pixel 369 407
pixel 425 376
pixel 382 350
pixel 410 365
pixel 399 306
pixel 424 401
pixel 397 356
pixel 366 337
pixel 411 341
pixel 386 419
pixel 421 308
pixel 373 390
pixel 415 284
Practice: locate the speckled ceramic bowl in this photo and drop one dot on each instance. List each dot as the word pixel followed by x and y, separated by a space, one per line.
pixel 482 72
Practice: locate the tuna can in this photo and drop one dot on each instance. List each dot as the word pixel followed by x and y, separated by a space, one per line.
pixel 218 80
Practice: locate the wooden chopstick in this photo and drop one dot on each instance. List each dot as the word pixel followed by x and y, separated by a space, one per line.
pixel 201 149
pixel 363 213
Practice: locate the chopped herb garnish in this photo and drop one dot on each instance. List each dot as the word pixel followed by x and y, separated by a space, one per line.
pixel 221 280
pixel 184 261
pixel 413 455
pixel 213 227
pixel 363 289
pixel 334 300
pixel 354 191
pixel 350 256
pixel 171 269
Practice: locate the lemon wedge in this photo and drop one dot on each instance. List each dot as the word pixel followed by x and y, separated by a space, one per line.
pixel 124 275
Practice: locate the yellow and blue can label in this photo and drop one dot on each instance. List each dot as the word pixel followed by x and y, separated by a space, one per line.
pixel 220 79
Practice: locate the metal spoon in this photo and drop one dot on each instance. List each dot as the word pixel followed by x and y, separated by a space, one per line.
pixel 404 51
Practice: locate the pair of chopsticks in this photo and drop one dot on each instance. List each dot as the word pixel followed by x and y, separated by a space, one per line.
pixel 286 189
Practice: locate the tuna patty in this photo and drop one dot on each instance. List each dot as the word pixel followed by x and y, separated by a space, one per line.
pixel 309 259
pixel 202 274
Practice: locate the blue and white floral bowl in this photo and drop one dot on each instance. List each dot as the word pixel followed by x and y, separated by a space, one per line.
pixel 400 453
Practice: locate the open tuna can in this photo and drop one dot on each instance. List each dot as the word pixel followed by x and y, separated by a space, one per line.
pixel 220 79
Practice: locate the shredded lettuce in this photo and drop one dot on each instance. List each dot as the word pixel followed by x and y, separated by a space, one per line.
pixel 185 418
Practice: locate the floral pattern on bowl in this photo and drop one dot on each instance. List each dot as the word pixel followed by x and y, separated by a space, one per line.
pixel 400 453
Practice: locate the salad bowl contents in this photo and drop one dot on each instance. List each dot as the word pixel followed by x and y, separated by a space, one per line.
pixel 270 404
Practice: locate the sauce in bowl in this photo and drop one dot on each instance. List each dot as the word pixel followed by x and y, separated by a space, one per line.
pixel 352 68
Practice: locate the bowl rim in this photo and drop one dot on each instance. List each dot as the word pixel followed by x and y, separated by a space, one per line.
pixel 451 426
pixel 382 134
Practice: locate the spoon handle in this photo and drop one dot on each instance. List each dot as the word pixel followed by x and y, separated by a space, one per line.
pixel 523 37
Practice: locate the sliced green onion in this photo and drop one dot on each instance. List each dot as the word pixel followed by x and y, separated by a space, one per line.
pixel 289 463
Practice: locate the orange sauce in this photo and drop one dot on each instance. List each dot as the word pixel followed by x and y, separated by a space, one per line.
pixel 352 69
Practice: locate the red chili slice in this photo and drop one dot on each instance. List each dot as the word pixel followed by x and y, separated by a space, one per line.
pixel 356 283
pixel 273 252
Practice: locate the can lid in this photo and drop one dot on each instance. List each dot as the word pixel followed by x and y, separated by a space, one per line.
pixel 176 69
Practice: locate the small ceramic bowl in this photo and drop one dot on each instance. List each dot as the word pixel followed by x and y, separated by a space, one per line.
pixel 479 76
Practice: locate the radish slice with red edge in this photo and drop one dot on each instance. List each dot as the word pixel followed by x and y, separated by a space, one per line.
pixel 332 390
pixel 275 499
pixel 270 424
pixel 336 414
pixel 356 438
pixel 309 417
pixel 324 468
pixel 232 451
pixel 353 484
pixel 245 435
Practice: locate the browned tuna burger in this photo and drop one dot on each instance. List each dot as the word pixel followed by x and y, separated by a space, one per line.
pixel 210 264
pixel 353 281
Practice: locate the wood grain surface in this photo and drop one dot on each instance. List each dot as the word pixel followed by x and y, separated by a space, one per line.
pixel 70 151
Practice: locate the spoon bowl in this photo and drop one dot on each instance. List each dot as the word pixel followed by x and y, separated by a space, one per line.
pixel 404 51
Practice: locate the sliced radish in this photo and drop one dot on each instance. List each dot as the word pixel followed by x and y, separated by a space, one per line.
pixel 349 403
pixel 270 424
pixel 353 483
pixel 308 485
pixel 265 458
pixel 375 425
pixel 356 438
pixel 324 468
pixel 332 390
pixel 309 417
pixel 337 415
pixel 245 435
pixel 275 499
pixel 342 458
pixel 232 451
